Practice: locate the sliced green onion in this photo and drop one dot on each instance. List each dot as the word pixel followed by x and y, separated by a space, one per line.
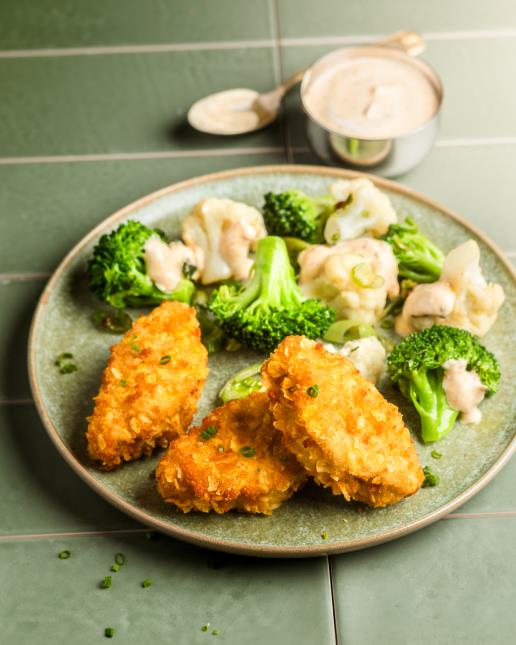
pixel 324 535
pixel 147 583
pixel 313 391
pixel 115 568
pixel 343 330
pixel 123 382
pixel 165 359
pixel 215 632
pixel 64 555
pixel 109 632
pixel 62 362
pixel 62 357
pixel 208 433
pixel 436 454
pixel 431 479
pixel 135 347
pixel 106 583
pixel 116 321
pixel 365 277
pixel 205 628
pixel 120 559
pixel 243 383
pixel 247 451
pixel 68 368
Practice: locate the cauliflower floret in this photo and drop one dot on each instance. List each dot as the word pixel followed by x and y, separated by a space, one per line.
pixel 354 277
pixel 366 354
pixel 460 298
pixel 221 233
pixel 362 209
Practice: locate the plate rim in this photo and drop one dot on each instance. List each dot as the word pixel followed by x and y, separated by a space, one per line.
pixel 194 537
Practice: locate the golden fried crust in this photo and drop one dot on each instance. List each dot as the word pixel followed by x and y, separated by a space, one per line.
pixel 212 474
pixel 348 437
pixel 142 402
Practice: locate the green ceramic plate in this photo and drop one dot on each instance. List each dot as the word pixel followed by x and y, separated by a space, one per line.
pixel 62 322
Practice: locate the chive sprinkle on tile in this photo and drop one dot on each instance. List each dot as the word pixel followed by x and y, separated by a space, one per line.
pixel 64 555
pixel 436 454
pixel 165 359
pixel 147 583
pixel 208 433
pixel 106 583
pixel 247 451
pixel 109 632
pixel 313 391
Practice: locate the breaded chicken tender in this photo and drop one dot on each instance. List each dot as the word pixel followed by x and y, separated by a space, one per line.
pixel 233 460
pixel 150 386
pixel 339 426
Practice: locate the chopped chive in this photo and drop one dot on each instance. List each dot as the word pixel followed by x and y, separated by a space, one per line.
pixel 120 559
pixel 208 433
pixel 67 368
pixel 109 632
pixel 215 632
pixel 115 568
pixel 431 479
pixel 324 535
pixel 247 451
pixel 205 628
pixel 147 583
pixel 165 359
pixel 106 583
pixel 64 555
pixel 123 382
pixel 135 347
pixel 313 391
pixel 62 357
pixel 436 454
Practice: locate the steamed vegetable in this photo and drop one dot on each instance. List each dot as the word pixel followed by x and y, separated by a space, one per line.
pixel 117 272
pixel 269 307
pixel 418 258
pixel 292 213
pixel 243 383
pixel 417 365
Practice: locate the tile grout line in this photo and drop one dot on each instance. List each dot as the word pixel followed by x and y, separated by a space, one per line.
pixel 6 278
pixel 333 606
pixel 217 152
pixel 106 50
pixel 15 402
pixel 278 61
pixel 136 156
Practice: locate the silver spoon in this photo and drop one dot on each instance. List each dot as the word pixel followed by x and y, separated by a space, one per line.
pixel 242 110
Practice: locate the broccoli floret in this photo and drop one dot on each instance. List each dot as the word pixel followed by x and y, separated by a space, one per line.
pixel 294 214
pixel 243 383
pixel 269 307
pixel 417 365
pixel 117 272
pixel 418 258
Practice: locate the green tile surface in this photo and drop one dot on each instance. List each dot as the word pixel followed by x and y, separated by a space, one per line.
pixel 450 583
pixel 497 496
pixel 40 492
pixel 302 18
pixel 122 103
pixel 463 179
pixel 25 24
pixel 249 601
pixel 49 207
pixel 17 303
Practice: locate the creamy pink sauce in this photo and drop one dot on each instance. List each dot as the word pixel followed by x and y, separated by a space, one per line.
pixel 464 390
pixel 373 98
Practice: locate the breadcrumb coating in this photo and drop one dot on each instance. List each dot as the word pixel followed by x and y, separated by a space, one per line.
pixel 339 426
pixel 208 469
pixel 150 386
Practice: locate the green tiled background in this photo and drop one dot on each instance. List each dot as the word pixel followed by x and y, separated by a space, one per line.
pixel 93 100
